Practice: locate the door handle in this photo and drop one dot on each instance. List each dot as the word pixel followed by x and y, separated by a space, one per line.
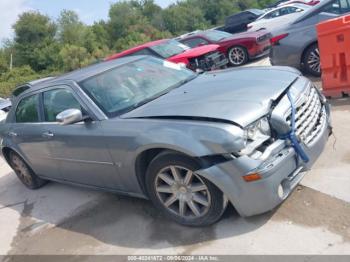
pixel 48 134
pixel 12 134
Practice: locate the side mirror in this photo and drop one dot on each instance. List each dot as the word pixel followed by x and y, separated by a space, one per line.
pixel 69 117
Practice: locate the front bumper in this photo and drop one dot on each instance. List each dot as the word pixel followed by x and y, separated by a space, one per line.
pixel 283 168
pixel 216 61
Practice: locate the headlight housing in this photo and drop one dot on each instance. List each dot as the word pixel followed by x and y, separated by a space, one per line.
pixel 255 135
pixel 260 128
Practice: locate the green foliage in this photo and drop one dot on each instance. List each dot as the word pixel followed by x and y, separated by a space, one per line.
pixel 123 15
pixel 42 46
pixel 74 57
pixel 4 64
pixel 70 29
pixel 10 79
pixel 33 31
pixel 184 17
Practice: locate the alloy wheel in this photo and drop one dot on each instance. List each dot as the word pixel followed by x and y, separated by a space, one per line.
pixel 182 192
pixel 313 60
pixel 237 56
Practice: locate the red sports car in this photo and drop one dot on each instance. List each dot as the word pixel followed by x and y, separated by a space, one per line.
pixel 239 48
pixel 204 58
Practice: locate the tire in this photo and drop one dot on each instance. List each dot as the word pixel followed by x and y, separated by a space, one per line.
pixel 237 56
pixel 190 200
pixel 311 61
pixel 24 173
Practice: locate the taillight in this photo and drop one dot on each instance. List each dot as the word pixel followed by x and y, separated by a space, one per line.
pixel 275 40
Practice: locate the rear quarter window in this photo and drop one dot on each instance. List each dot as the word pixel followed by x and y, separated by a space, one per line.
pixel 27 110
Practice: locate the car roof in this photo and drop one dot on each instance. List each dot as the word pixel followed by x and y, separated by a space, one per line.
pixel 255 11
pixel 299 5
pixel 197 33
pixel 194 33
pixel 135 49
pixel 78 75
pixel 312 11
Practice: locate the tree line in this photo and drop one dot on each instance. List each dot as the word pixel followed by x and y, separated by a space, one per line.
pixel 42 46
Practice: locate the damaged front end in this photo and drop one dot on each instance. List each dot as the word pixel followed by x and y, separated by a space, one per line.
pixel 266 171
pixel 208 62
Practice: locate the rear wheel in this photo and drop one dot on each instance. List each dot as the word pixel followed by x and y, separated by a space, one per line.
pixel 25 173
pixel 312 61
pixel 237 56
pixel 175 188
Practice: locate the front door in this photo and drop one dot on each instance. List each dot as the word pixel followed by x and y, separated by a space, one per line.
pixel 79 149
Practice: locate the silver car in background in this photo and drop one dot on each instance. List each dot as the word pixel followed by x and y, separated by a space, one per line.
pixel 189 142
pixel 277 16
pixel 295 43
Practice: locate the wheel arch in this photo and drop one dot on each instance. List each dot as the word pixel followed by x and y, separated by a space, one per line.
pixel 6 150
pixel 144 159
pixel 6 153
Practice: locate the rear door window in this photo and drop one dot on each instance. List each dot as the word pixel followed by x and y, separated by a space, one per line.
pixel 27 110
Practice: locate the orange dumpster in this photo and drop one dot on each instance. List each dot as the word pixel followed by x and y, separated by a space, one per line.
pixel 334 44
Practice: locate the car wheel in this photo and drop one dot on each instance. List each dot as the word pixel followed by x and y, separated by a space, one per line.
pixel 312 61
pixel 175 188
pixel 237 56
pixel 25 173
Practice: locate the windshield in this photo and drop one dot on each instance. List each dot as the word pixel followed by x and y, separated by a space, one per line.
pixel 126 87
pixel 257 12
pixel 216 36
pixel 169 48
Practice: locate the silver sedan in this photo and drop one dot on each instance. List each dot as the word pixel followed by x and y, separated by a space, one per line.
pixel 191 143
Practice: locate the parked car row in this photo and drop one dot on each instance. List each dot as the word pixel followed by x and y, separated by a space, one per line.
pixel 295 41
pixel 203 57
pixel 286 33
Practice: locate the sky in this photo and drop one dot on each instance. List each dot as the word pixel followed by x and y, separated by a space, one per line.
pixel 88 10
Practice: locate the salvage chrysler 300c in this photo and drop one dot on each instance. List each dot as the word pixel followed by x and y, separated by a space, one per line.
pixel 191 143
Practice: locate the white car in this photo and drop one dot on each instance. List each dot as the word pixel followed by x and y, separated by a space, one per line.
pixel 5 106
pixel 277 15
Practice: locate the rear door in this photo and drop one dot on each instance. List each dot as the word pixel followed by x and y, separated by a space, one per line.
pixel 26 136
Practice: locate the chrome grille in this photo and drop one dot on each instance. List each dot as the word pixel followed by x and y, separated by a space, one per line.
pixel 310 117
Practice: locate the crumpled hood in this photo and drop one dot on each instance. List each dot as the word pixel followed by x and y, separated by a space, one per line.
pixel 195 52
pixel 240 96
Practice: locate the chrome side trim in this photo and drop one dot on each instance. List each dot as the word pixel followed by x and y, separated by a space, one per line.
pixel 84 161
